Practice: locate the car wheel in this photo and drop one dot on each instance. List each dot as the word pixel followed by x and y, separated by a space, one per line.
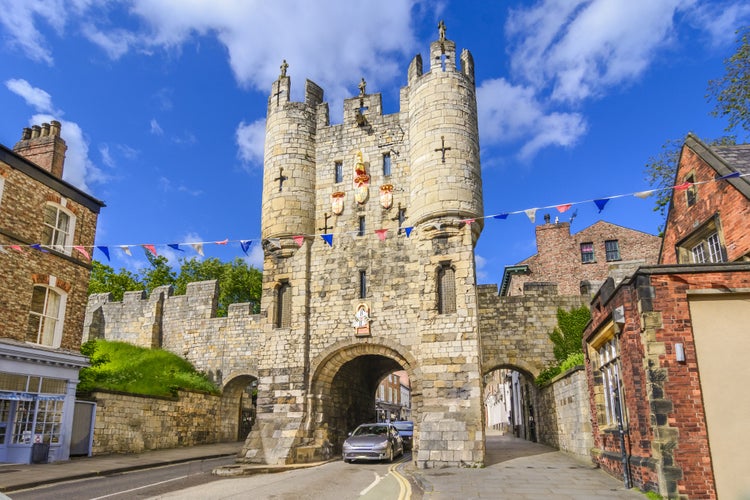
pixel 390 454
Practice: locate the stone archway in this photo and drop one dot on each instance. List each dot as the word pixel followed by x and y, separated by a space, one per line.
pixel 238 403
pixel 511 388
pixel 344 381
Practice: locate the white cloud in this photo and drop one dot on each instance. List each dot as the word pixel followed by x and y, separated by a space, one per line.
pixel 106 155
pixel 155 127
pixel 721 20
pixel 18 19
pixel 510 113
pixel 250 139
pixel 115 43
pixel 256 256
pixel 35 97
pixel 582 48
pixel 481 263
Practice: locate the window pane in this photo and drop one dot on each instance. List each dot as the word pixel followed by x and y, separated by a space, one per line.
pixel 699 253
pixel 339 171
pixel 446 290
pixel 362 284
pixel 714 248
pixel 387 164
pixel 612 248
pixel 587 252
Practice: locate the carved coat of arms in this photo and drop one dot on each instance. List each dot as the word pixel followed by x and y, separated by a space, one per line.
pixel 386 196
pixel 362 320
pixel 337 202
pixel 361 180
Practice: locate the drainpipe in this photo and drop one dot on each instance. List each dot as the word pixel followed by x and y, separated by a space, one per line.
pixel 625 461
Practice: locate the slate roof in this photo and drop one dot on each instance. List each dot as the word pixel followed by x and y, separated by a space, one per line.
pixel 737 157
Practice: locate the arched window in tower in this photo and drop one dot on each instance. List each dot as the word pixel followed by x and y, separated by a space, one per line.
pixel 446 288
pixel 283 305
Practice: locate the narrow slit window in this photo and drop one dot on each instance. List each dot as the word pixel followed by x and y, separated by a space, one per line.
pixel 387 165
pixel 338 168
pixel 284 306
pixel 446 289
pixel 362 284
pixel 361 231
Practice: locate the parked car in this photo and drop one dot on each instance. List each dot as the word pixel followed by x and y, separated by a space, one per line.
pixel 405 429
pixel 373 442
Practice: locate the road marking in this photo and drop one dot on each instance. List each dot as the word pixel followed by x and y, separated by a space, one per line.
pixel 141 487
pixel 404 486
pixel 372 485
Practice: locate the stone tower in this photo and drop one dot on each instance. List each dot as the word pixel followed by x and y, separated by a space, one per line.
pixel 369 230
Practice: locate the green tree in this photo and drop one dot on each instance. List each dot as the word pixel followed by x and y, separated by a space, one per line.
pixel 159 274
pixel 567 336
pixel 104 279
pixel 732 91
pixel 238 282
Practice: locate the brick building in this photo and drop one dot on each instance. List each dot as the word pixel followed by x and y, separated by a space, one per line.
pixel 579 263
pixel 666 349
pixel 43 295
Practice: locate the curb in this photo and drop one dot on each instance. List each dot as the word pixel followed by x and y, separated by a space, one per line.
pixel 249 470
pixel 107 472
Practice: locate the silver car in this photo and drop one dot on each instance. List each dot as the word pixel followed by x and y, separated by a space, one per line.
pixel 373 442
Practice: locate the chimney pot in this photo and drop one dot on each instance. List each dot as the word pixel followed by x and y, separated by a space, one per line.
pixel 45 129
pixel 26 134
pixel 54 128
pixel 35 131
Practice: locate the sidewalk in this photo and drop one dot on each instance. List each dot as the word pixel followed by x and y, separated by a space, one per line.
pixel 15 477
pixel 515 469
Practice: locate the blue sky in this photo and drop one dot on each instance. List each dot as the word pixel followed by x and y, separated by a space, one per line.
pixel 163 101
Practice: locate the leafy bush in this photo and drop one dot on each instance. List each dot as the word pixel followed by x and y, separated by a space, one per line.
pixel 567 336
pixel 575 359
pixel 119 366
pixel 546 375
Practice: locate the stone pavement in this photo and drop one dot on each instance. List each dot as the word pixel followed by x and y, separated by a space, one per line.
pixel 518 469
pixel 515 469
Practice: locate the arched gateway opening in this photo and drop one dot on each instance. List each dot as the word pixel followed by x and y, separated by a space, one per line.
pixel 344 386
pixel 511 402
pixel 239 401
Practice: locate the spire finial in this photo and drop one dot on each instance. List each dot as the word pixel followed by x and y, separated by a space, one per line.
pixel 441 30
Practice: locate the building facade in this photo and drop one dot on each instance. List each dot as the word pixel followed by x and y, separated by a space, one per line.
pixel 665 349
pixel 43 295
pixel 579 263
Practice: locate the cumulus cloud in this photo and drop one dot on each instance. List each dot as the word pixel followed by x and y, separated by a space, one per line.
pixel 510 113
pixel 19 20
pixel 581 48
pixel 250 138
pixel 155 127
pixel 721 20
pixel 35 97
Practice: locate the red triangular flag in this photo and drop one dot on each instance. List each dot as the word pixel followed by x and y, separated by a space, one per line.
pixel 381 233
pixel 150 248
pixel 562 208
pixel 469 221
pixel 82 251
pixel 223 242
pixel 299 240
pixel 683 186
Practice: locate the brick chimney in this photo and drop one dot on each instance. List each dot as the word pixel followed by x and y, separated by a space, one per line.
pixel 43 146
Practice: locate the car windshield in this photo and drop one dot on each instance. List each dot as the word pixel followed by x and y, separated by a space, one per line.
pixel 371 430
pixel 403 426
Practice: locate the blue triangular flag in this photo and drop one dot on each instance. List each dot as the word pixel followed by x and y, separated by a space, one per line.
pixel 176 246
pixel 500 216
pixel 407 230
pixel 245 244
pixel 328 239
pixel 105 251
pixel 600 204
pixel 728 176
pixel 38 246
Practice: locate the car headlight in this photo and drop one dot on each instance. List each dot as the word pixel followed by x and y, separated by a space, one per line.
pixel 347 445
pixel 380 446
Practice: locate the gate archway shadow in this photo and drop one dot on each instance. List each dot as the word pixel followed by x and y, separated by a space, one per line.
pixel 502 448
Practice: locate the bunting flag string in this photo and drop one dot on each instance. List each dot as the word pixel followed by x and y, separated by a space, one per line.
pixel 381 233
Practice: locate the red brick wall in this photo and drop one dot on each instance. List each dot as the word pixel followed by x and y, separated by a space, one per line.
pixel 558 258
pixel 21 223
pixel 667 425
pixel 712 198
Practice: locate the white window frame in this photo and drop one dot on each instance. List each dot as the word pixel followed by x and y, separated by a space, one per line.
pixel 612 250
pixel 52 233
pixel 50 324
pixel 714 248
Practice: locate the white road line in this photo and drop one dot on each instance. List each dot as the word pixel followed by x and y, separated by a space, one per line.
pixel 372 485
pixel 140 487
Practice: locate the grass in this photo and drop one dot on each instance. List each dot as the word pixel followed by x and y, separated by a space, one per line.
pixel 123 367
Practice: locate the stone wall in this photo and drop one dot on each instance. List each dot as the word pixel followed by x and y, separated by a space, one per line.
pixel 563 413
pixel 127 423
